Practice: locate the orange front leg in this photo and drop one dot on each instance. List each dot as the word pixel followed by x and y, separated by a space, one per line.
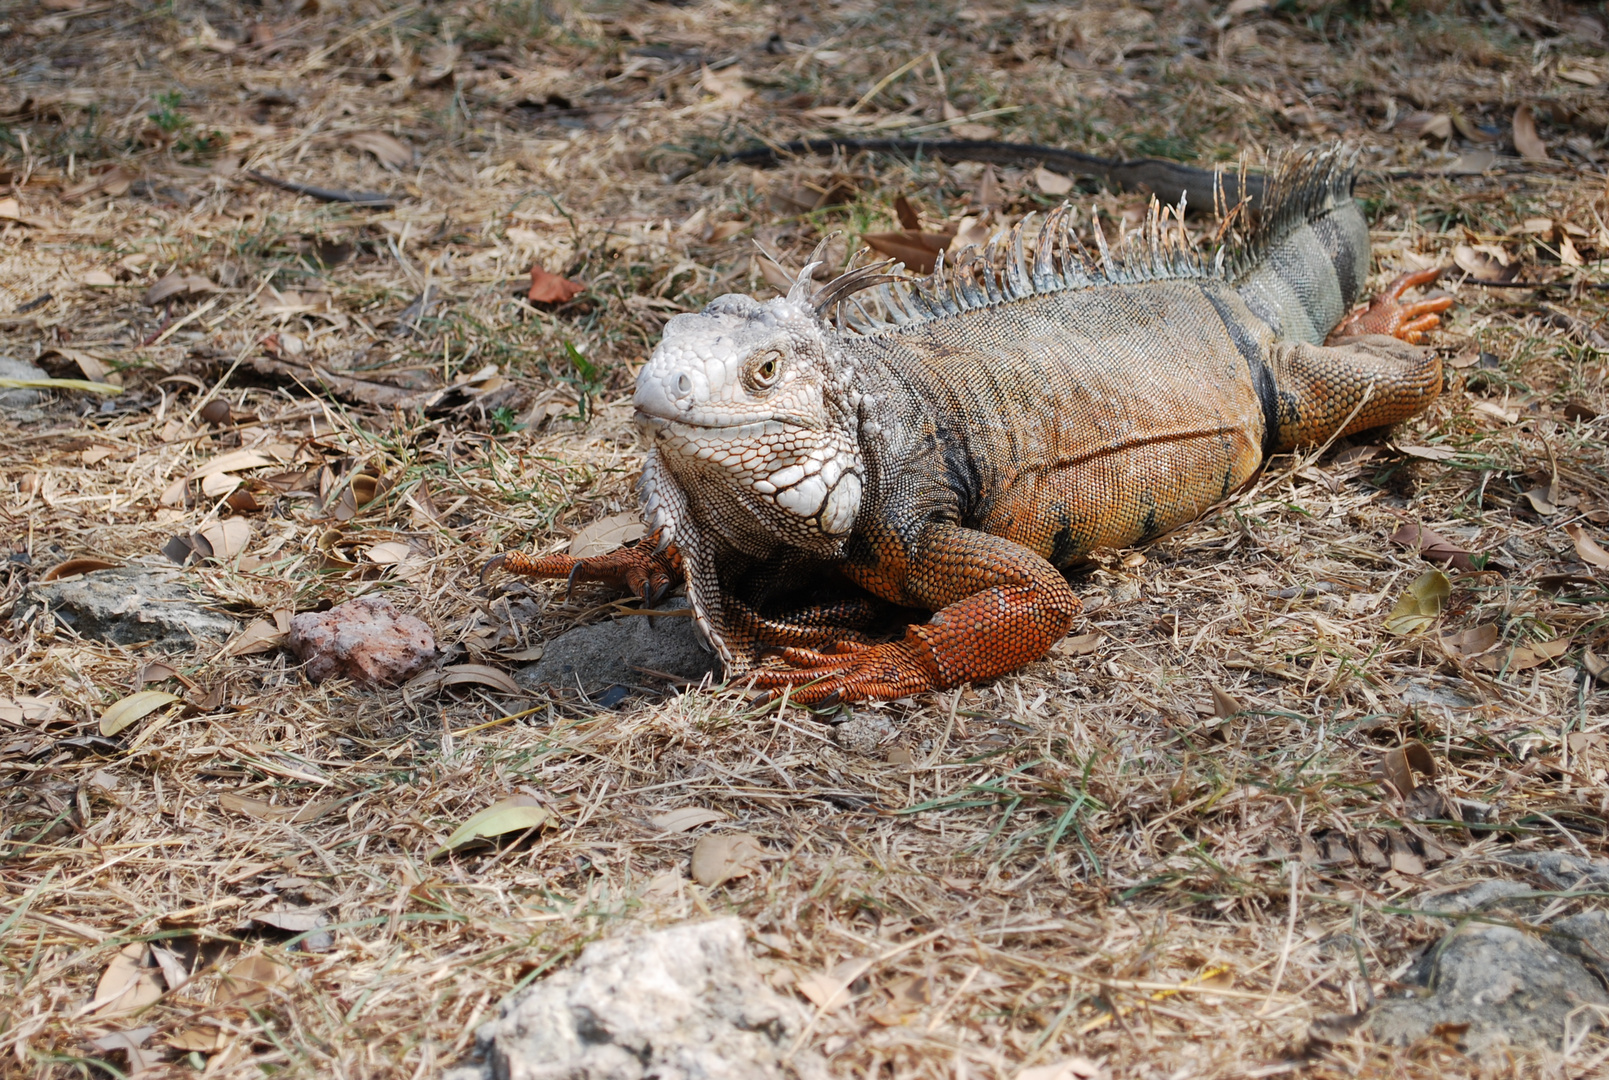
pixel 998 606
pixel 1385 314
pixel 640 570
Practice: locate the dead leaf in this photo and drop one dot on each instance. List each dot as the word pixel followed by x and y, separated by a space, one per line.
pixel 1544 500
pixel 228 538
pixel 234 461
pixel 919 251
pixel 389 552
pixel 685 818
pixel 1432 546
pixel 1587 548
pixel 266 811
pixel 74 567
pixel 1526 140
pixel 721 857
pixel 479 674
pixel 1483 265
pixel 549 288
pixel 259 636
pixel 120 714
pixel 1525 657
pixel 1596 665
pixel 1426 125
pixel 606 534
pixel 98 279
pixel 251 979
pixel 1052 183
pixel 176 285
pixel 201 1039
pixel 1471 642
pixel 517 813
pixel 1429 453
pixel 1420 604
pixel 389 150
pixel 829 990
pixel 1225 704
pixel 292 920
pixel 1079 645
pixel 127 984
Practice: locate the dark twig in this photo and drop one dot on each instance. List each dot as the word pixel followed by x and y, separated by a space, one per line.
pixel 355 198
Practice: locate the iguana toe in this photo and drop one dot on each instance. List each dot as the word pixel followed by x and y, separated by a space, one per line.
pixel 1387 315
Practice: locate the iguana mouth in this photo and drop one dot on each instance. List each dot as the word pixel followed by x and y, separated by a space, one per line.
pixel 656 426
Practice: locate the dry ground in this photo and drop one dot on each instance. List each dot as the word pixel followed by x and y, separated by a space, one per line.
pixel 1093 857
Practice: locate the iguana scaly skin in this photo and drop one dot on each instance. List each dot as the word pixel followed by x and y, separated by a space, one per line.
pixel 949 444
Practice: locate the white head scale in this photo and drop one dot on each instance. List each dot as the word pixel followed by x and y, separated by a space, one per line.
pixel 750 409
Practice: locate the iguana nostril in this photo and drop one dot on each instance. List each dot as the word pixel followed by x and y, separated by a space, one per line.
pixel 684 385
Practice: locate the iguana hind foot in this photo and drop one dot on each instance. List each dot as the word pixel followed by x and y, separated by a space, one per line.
pixel 640 570
pixel 1387 315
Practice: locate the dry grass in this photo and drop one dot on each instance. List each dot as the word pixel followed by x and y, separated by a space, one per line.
pixel 1086 858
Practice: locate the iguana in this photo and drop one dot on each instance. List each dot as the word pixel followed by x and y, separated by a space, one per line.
pixel 949 444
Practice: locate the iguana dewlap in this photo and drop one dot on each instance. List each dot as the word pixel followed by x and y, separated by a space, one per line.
pixel 950 444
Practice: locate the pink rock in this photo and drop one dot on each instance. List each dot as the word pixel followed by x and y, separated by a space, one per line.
pixel 364 639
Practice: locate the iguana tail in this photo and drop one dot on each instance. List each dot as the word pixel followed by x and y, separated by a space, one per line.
pixel 1300 257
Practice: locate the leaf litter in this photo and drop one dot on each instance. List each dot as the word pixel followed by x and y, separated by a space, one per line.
pixel 1086 864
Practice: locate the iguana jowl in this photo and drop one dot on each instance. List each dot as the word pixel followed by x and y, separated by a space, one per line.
pixel 949 444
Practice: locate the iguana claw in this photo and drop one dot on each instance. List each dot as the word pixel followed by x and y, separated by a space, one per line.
pixel 640 570
pixel 1386 315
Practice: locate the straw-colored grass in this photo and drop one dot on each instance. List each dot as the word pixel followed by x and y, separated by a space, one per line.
pixel 1143 851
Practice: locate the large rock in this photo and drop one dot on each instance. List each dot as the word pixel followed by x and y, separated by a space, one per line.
pixel 131 606
pixel 366 639
pixel 679 1004
pixel 1494 986
pixel 607 653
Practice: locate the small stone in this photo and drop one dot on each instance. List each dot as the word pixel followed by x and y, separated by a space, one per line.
pixel 864 732
pixel 608 653
pixel 683 1002
pixel 131 606
pixel 21 397
pixel 365 639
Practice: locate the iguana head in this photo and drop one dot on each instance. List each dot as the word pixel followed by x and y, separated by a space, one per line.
pixel 753 411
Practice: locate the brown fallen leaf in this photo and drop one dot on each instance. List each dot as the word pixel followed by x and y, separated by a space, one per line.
pixel 721 857
pixel 1596 665
pixel 919 251
pixel 176 285
pixel 606 534
pixel 266 811
pixel 829 990
pixel 1524 657
pixel 1052 183
pixel 228 538
pixel 1484 265
pixel 1432 546
pixel 259 636
pixel 1079 644
pixel 1587 547
pixel 1420 604
pixel 685 818
pixel 1225 704
pixel 74 567
pixel 251 979
pixel 388 150
pixel 1526 140
pixel 128 983
pixel 1437 127
pixel 1471 642
pixel 549 288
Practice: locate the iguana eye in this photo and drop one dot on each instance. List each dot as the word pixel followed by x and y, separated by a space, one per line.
pixel 764 370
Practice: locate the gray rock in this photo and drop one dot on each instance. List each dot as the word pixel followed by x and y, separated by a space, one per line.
pixel 1479 896
pixel 1506 984
pixel 684 1003
pixel 605 653
pixel 1561 870
pixel 130 606
pixel 15 399
pixel 864 732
